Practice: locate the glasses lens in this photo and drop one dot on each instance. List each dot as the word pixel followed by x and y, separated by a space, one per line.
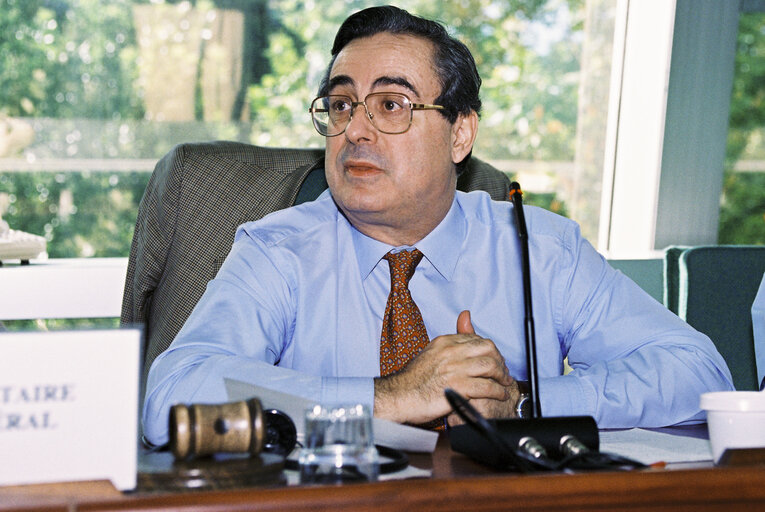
pixel 319 115
pixel 391 112
pixel 331 114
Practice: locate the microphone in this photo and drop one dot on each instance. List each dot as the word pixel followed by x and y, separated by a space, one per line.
pixel 537 443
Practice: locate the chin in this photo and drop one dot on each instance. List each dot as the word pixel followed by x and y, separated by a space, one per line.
pixel 364 202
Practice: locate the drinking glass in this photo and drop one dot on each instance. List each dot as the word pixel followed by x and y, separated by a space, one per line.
pixel 339 445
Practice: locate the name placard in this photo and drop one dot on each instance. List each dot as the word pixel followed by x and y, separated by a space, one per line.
pixel 69 406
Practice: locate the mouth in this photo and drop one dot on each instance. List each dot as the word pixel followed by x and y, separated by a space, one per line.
pixel 361 169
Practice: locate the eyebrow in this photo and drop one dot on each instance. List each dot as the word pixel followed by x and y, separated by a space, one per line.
pixel 339 80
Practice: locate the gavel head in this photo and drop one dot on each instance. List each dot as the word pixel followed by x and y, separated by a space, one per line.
pixel 199 430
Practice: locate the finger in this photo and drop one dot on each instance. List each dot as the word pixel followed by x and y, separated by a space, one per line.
pixel 464 323
pixel 454 419
pixel 472 349
pixel 479 364
pixel 478 388
pixel 451 339
pixel 469 355
pixel 489 367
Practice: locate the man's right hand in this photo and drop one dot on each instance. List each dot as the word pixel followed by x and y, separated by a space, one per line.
pixel 465 362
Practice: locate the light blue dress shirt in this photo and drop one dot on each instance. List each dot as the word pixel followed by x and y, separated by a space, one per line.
pixel 298 304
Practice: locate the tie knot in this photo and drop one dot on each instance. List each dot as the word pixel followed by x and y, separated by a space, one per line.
pixel 402 265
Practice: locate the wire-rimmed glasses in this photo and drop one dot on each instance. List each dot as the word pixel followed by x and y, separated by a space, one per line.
pixel 389 112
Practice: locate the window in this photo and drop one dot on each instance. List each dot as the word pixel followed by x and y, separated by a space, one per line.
pixel 742 210
pixel 93 92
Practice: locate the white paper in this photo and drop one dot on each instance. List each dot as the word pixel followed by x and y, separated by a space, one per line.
pixel 650 446
pixel 387 433
pixel 69 406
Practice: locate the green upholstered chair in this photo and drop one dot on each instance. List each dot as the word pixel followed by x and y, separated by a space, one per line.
pixel 713 288
pixel 672 276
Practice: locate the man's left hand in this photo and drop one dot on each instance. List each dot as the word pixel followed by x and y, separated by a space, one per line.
pixel 492 408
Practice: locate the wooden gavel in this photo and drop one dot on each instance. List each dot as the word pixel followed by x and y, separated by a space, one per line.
pixel 199 430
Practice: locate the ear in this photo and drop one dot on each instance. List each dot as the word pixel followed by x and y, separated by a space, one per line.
pixel 464 131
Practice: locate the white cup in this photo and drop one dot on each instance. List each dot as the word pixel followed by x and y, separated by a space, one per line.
pixel 339 445
pixel 736 419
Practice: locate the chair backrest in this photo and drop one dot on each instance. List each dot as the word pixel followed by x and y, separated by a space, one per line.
pixel 196 198
pixel 716 286
pixel 758 327
pixel 672 277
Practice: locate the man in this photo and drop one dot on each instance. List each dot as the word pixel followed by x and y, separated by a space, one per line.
pixel 302 302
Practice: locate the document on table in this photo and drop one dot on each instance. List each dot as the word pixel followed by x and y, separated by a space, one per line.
pixel 387 433
pixel 651 446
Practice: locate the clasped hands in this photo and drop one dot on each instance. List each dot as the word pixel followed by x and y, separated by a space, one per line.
pixel 465 362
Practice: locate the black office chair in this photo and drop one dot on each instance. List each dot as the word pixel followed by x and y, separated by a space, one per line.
pixel 713 288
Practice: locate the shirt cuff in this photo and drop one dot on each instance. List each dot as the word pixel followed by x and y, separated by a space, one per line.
pixel 566 396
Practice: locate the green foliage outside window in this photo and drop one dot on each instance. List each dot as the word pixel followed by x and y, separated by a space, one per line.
pixel 70 68
pixel 742 212
pixel 68 59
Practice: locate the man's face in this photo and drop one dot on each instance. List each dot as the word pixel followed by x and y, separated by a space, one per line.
pixel 394 188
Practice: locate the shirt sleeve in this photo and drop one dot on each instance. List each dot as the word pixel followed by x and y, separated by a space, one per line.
pixel 634 362
pixel 238 330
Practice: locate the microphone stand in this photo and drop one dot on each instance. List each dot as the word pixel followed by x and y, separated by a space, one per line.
pixel 550 442
pixel 516 196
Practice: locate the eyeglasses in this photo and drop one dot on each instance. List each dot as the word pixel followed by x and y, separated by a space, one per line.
pixel 389 112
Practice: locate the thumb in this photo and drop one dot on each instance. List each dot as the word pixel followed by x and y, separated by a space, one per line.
pixel 464 325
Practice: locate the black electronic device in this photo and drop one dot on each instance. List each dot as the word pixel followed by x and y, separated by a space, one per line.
pixel 537 443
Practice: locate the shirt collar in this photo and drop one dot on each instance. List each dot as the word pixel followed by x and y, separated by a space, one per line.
pixel 441 247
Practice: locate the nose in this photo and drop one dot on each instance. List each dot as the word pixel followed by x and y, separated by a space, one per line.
pixel 360 128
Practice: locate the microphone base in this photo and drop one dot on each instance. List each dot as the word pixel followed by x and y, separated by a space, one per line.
pixel 546 431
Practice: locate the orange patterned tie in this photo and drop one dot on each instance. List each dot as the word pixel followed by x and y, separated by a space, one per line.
pixel 403 331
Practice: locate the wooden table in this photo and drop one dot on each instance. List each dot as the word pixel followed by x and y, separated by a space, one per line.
pixel 459 484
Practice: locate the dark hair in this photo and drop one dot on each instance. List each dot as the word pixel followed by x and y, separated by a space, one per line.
pixel 455 66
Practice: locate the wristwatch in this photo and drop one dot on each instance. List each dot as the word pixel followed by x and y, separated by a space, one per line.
pixel 523 407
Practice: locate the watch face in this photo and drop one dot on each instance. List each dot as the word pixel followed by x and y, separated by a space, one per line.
pixel 523 409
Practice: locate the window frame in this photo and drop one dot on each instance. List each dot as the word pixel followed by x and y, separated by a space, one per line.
pixel 668 121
